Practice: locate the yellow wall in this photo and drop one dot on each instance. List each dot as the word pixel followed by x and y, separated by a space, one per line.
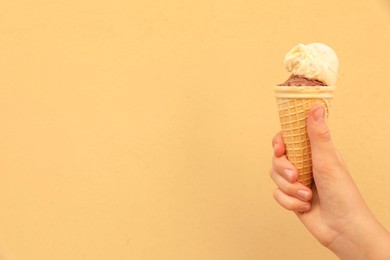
pixel 141 129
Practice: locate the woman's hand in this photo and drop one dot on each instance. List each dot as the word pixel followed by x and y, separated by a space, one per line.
pixel 334 210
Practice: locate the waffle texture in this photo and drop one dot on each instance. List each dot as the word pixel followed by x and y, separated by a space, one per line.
pixel 293 111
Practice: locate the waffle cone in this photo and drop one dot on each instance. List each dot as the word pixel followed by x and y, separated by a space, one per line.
pixel 294 104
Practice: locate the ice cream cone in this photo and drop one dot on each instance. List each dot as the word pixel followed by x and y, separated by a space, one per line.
pixel 294 103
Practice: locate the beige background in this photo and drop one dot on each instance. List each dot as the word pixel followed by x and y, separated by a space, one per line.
pixel 141 129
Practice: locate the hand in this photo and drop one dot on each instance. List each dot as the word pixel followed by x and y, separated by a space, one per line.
pixel 334 210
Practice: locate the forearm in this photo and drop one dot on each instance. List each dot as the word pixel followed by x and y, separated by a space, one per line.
pixel 369 240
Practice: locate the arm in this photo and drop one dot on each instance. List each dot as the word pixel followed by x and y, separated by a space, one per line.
pixel 334 210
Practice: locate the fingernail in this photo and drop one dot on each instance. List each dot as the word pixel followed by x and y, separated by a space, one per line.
pixel 319 114
pixel 289 174
pixel 303 194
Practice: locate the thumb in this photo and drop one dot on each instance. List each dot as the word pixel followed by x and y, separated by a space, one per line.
pixel 324 155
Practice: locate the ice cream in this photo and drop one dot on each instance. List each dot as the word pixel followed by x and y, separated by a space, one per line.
pixel 315 62
pixel 295 80
pixel 314 69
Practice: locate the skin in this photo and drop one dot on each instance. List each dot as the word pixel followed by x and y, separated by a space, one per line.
pixel 333 211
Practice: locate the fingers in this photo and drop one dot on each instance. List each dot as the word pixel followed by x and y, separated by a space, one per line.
pixel 278 145
pixel 294 189
pixel 290 203
pixel 283 167
pixel 329 169
pixel 324 153
pixel 290 194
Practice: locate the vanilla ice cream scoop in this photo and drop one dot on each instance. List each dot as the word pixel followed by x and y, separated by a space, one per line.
pixel 315 61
